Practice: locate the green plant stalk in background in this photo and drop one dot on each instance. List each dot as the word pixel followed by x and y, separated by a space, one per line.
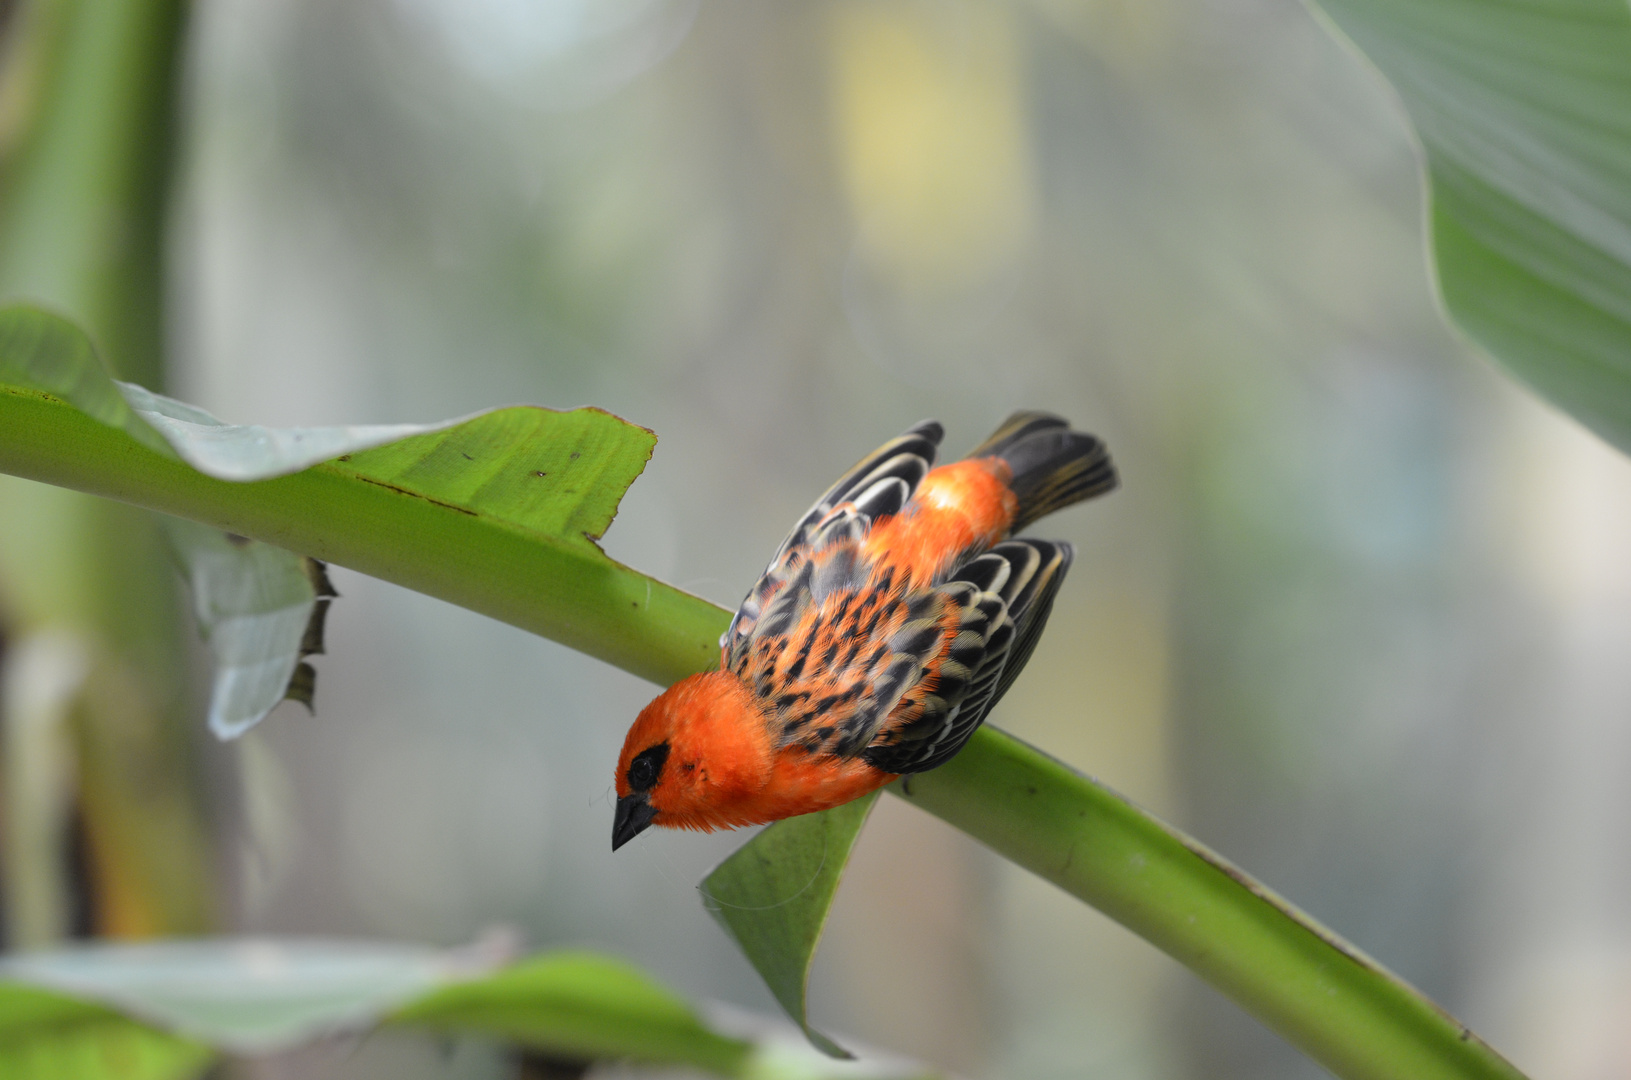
pixel 87 171
pixel 1297 977
pixel 85 155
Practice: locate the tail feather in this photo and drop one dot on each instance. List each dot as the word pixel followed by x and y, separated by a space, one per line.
pixel 1054 467
pixel 1018 426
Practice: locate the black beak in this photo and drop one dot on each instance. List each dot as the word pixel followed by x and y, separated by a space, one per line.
pixel 634 816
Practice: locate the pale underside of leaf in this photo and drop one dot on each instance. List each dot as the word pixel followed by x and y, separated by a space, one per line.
pixel 41 351
pixel 244 995
pixel 245 452
pixel 261 609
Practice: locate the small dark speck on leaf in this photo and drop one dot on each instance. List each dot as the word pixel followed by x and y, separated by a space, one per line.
pixel 466 457
pixel 1030 791
pixel 237 541
pixel 540 472
pixel 576 455
pixel 344 457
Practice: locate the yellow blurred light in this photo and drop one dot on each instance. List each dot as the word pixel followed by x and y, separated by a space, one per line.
pixel 932 139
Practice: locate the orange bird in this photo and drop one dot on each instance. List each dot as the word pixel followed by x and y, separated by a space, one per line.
pixel 890 621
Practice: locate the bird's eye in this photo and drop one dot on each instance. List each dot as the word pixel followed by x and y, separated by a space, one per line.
pixel 646 766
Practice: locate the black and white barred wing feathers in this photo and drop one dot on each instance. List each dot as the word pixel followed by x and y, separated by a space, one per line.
pixel 900 679
pixel 831 661
pixel 878 485
pixel 1002 599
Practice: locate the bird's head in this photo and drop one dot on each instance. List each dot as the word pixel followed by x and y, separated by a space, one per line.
pixel 696 751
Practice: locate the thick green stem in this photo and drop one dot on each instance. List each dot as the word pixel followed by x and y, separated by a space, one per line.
pixel 1297 977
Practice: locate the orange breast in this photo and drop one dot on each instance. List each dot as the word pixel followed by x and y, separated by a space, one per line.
pixel 799 783
pixel 802 784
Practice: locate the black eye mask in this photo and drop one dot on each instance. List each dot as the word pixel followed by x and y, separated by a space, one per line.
pixel 646 767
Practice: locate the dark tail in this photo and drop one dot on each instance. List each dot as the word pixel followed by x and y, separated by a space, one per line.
pixel 1054 467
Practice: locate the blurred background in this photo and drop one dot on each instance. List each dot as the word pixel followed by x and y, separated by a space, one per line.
pixel 1357 618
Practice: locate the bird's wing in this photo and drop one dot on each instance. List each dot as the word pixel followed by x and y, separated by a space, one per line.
pixel 850 664
pixel 1001 600
pixel 835 648
pixel 879 485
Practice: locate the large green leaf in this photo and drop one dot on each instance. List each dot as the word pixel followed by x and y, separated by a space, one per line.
pixel 261 605
pixel 1524 111
pixel 50 1036
pixel 773 896
pixel 498 513
pixel 157 1010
